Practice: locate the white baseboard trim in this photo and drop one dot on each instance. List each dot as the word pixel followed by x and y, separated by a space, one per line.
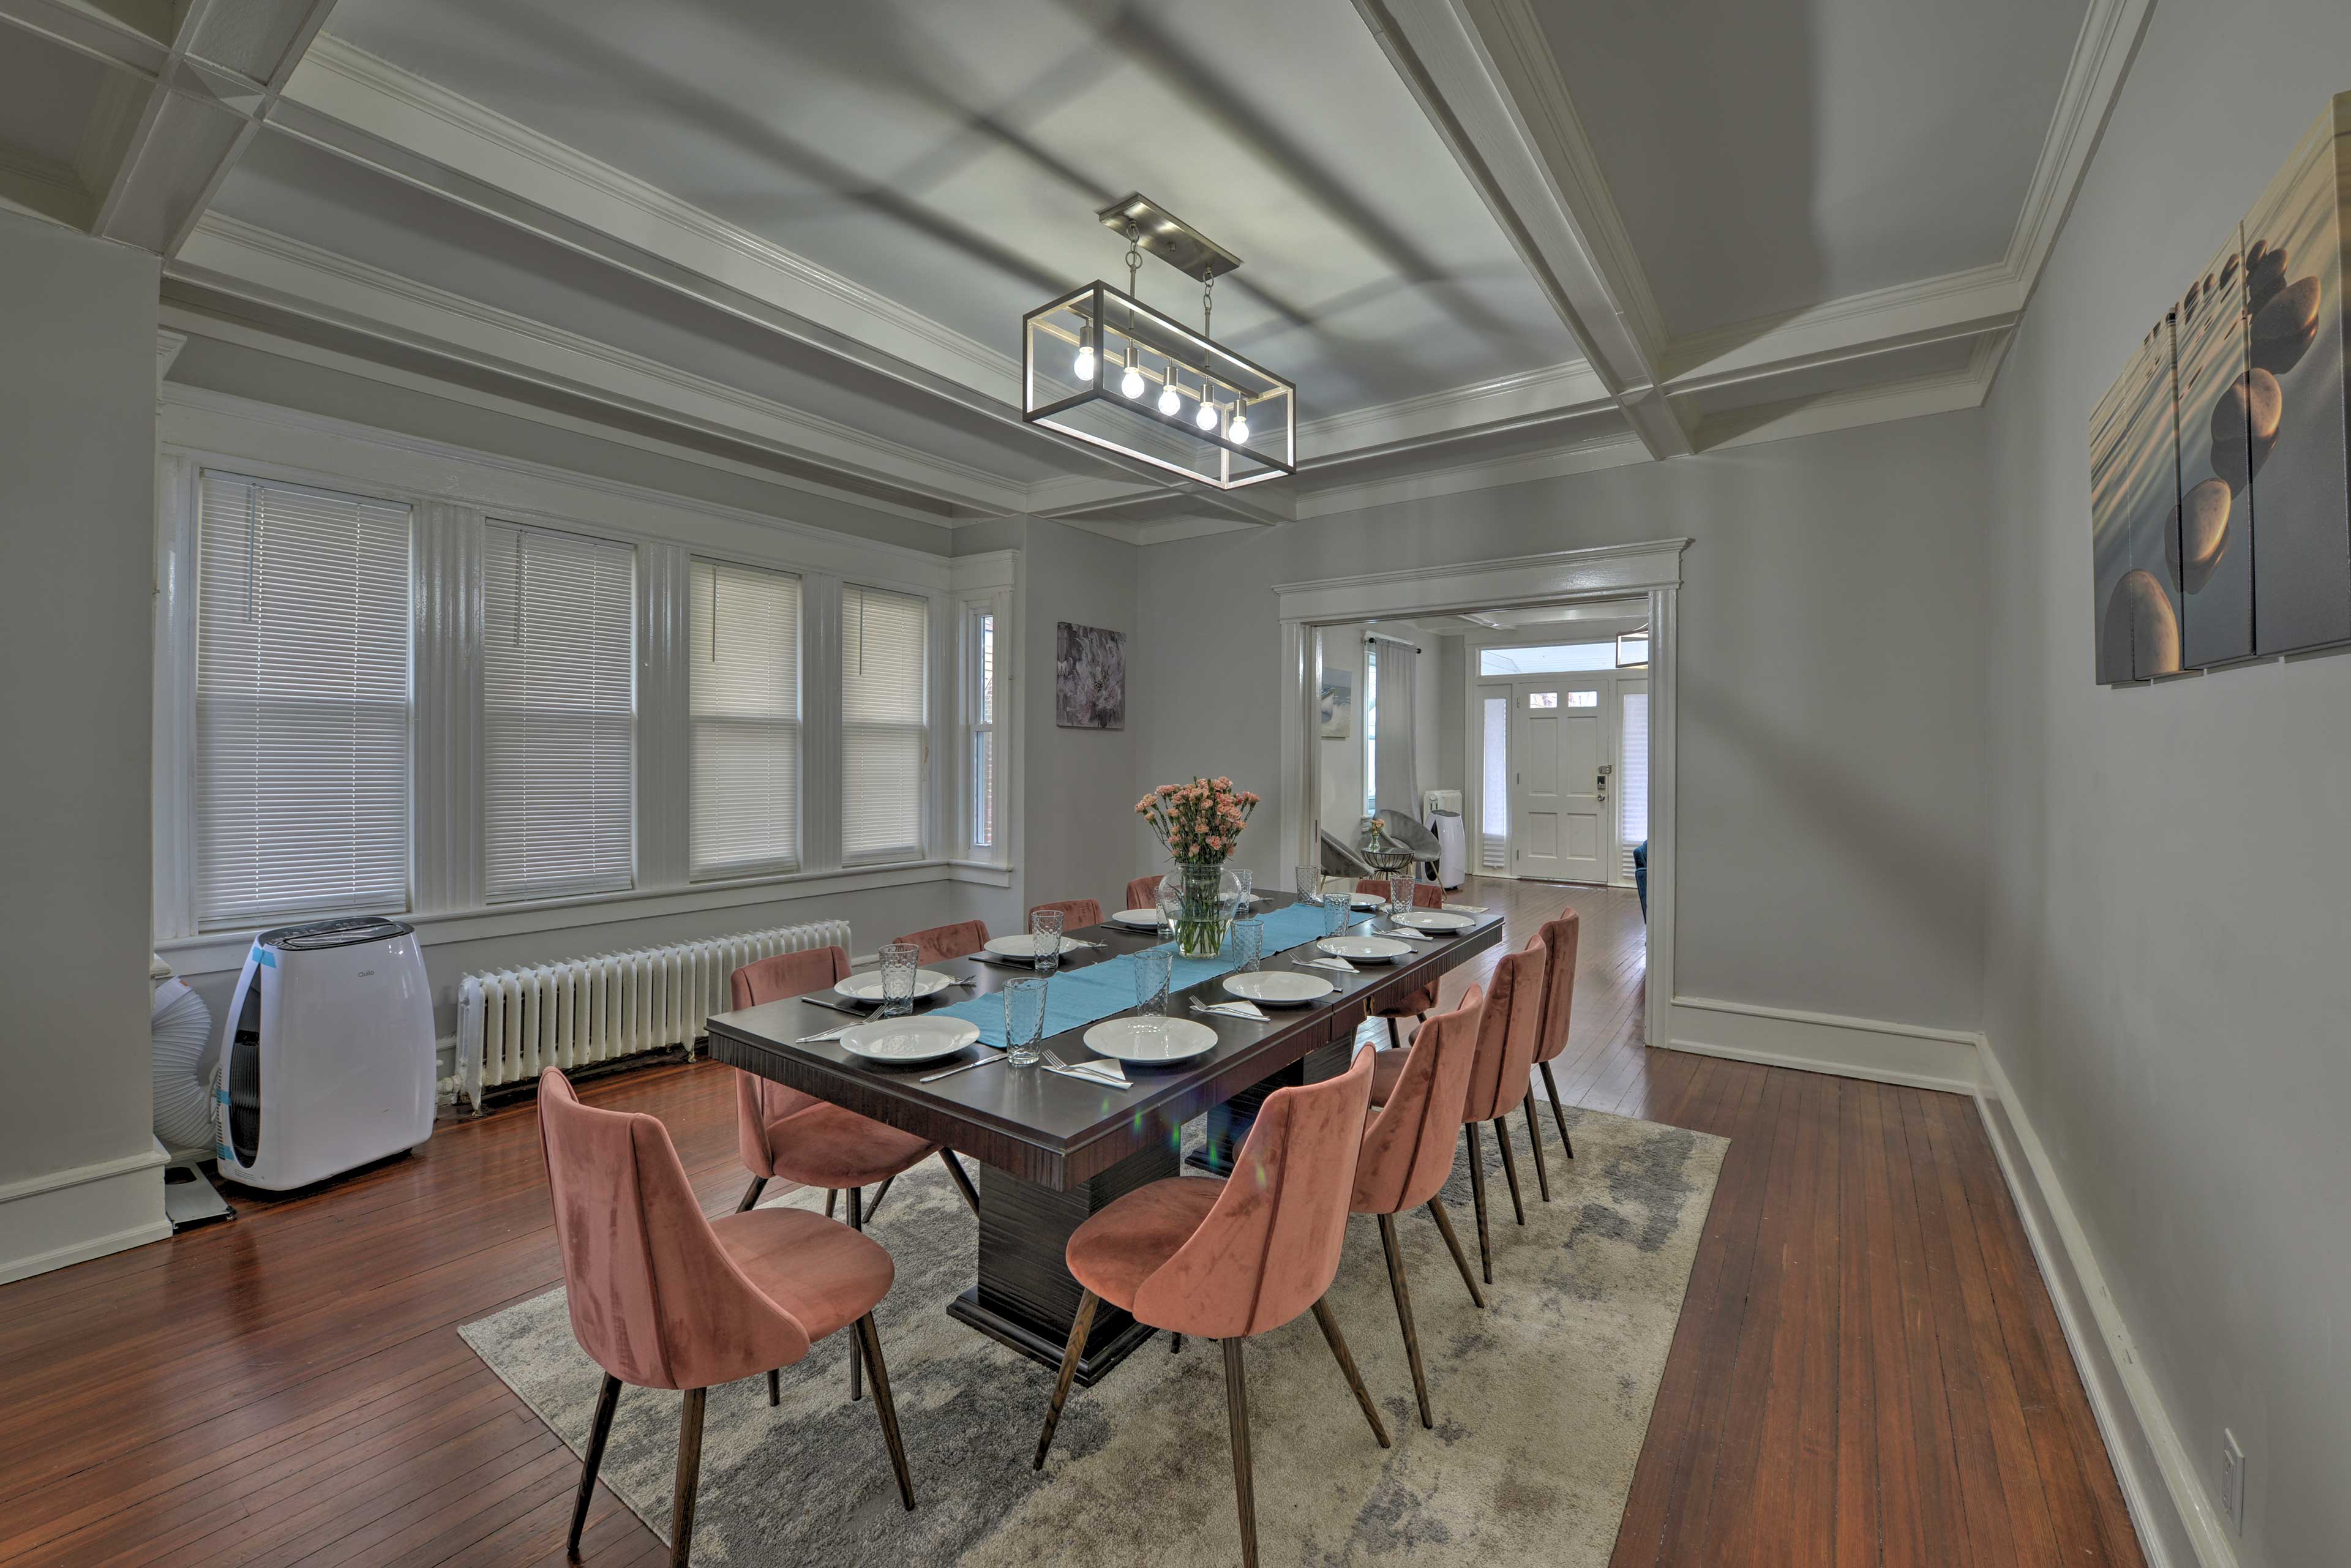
pixel 2178 1525
pixel 1825 1042
pixel 72 1215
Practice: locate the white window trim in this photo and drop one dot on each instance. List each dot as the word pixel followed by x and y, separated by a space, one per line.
pixel 453 490
pixel 987 582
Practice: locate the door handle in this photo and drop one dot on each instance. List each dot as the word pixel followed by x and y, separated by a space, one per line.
pixel 1600 783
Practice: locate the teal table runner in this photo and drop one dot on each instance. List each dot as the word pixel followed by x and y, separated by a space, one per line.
pixel 1078 997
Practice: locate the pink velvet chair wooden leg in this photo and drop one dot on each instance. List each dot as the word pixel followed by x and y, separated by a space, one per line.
pixel 1407 1154
pixel 1227 1260
pixel 1500 1076
pixel 663 1298
pixel 1560 938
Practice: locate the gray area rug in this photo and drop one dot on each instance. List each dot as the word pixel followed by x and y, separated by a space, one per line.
pixel 1542 1401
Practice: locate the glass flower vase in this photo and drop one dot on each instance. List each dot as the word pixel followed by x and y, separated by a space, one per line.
pixel 1197 902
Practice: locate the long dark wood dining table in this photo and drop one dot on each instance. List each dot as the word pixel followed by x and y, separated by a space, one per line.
pixel 1056 1149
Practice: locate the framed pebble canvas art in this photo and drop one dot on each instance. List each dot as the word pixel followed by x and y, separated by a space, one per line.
pixel 2221 457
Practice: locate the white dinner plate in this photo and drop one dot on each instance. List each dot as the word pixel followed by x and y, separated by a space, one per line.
pixel 1150 1041
pixel 1025 945
pixel 923 1037
pixel 1278 988
pixel 867 987
pixel 1366 949
pixel 1141 919
pixel 1368 900
pixel 1434 920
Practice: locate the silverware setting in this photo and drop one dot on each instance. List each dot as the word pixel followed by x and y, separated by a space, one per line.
pixel 965 1067
pixel 1091 1075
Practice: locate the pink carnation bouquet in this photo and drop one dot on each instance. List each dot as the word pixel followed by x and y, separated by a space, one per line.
pixel 1200 823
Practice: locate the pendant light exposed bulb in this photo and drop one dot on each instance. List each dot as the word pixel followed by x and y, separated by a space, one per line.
pixel 1238 431
pixel 1206 418
pixel 1084 366
pixel 1131 383
pixel 1168 400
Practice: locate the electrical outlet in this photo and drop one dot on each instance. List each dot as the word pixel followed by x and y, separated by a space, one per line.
pixel 2232 1479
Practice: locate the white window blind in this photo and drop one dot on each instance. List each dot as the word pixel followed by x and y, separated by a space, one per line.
pixel 1494 799
pixel 745 709
pixel 302 633
pixel 884 653
pixel 983 729
pixel 1632 786
pixel 559 713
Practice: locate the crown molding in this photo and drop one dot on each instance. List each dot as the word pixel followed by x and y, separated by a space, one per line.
pixel 2102 52
pixel 1526 397
pixel 1944 392
pixel 241 258
pixel 1613 451
pixel 364 93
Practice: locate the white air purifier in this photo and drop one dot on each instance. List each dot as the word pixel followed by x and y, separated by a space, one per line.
pixel 327 1053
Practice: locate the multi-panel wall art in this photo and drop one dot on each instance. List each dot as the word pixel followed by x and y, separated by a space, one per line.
pixel 2220 458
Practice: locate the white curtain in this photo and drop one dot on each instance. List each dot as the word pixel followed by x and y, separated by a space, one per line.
pixel 1398 786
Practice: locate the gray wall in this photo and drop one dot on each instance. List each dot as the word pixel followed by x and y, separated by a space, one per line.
pixel 2167 927
pixel 1832 794
pixel 77 571
pixel 1078 786
pixel 1451 717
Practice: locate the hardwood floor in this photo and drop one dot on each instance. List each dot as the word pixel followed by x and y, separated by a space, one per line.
pixel 1867 1369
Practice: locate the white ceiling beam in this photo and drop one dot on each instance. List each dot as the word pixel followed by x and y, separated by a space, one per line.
pixel 135 37
pixel 1487 80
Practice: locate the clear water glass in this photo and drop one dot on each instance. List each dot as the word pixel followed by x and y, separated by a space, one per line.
pixel 1024 1022
pixel 1336 911
pixel 1045 934
pixel 1399 895
pixel 1155 969
pixel 1306 881
pixel 900 960
pixel 1248 943
pixel 1248 879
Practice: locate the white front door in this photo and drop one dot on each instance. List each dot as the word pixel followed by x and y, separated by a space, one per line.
pixel 1563 753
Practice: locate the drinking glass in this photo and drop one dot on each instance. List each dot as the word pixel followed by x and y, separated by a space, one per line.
pixel 1249 943
pixel 1399 895
pixel 1155 967
pixel 1045 934
pixel 899 962
pixel 1335 912
pixel 1024 1022
pixel 1307 880
pixel 1248 879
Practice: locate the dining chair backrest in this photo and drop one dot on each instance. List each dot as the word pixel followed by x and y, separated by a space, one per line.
pixel 1075 911
pixel 961 940
pixel 1560 938
pixel 1408 1147
pixel 761 1102
pixel 1425 894
pixel 1142 893
pixel 1506 1036
pixel 1270 1246
pixel 654 1299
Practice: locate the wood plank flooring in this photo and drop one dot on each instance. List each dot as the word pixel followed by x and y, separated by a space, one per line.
pixel 1867 1369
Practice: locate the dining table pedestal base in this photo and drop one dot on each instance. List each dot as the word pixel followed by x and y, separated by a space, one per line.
pixel 1229 1122
pixel 1025 1298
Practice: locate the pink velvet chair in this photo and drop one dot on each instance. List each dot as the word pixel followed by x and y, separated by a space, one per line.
pixel 663 1298
pixel 1420 1003
pixel 1500 1076
pixel 784 1135
pixel 1227 1260
pixel 1142 893
pixel 1560 938
pixel 1075 911
pixel 1407 1154
pixel 957 941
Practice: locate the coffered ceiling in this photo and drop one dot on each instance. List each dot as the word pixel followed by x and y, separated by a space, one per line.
pixel 1492 240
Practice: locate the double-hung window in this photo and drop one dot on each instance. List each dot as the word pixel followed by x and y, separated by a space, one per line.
pixel 979 699
pixel 884 706
pixel 559 713
pixel 744 686
pixel 302 702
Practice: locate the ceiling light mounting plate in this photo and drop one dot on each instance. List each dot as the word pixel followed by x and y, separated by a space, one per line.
pixel 1160 233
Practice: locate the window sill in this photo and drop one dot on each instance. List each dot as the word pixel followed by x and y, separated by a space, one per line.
pixel 215 951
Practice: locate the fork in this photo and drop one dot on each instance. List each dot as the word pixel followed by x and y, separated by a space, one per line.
pixel 1053 1061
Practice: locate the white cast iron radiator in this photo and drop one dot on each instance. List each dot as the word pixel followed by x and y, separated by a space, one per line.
pixel 512 1024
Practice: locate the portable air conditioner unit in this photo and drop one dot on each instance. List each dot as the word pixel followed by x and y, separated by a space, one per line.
pixel 327 1053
